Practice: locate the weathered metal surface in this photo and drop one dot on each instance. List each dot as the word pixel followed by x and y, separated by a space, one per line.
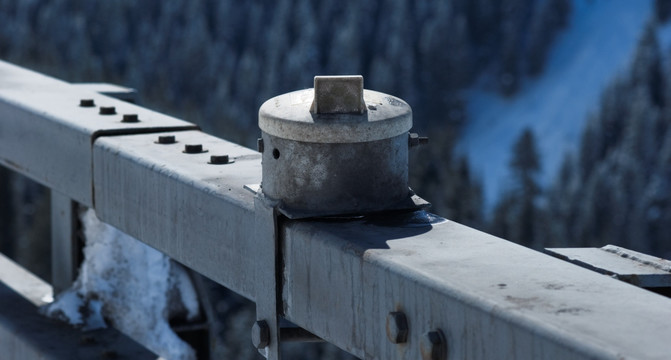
pixel 112 90
pixel 197 213
pixel 23 283
pixel 338 95
pixel 46 135
pixel 314 179
pixel 268 279
pixel 298 334
pixel 338 157
pixel 288 116
pixel 491 299
pixel 25 334
pixel 623 264
pixel 64 249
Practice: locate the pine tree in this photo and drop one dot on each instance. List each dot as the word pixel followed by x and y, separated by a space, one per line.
pixel 620 194
pixel 518 214
pixel 662 10
pixel 646 69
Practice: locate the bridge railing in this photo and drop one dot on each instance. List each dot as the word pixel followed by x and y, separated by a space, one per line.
pixel 401 286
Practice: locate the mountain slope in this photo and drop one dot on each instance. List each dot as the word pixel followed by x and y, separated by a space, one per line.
pixel 598 44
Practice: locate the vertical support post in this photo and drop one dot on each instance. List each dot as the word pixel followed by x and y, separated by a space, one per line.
pixel 64 250
pixel 266 330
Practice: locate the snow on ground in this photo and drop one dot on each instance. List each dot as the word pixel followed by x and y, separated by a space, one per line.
pixel 130 284
pixel 598 43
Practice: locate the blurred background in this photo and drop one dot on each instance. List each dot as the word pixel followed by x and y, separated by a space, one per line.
pixel 549 120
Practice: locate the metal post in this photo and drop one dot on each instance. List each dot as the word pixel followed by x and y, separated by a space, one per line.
pixel 266 330
pixel 64 247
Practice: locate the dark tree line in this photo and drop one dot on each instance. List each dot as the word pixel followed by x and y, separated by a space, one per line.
pixel 619 182
pixel 217 61
pixel 214 62
pixel 517 215
pixel 617 188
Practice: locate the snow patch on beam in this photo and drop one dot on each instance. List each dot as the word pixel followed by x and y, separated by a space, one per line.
pixel 132 286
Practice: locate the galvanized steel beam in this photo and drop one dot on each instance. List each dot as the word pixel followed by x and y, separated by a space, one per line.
pixel 491 299
pixel 65 257
pixel 47 127
pixel 118 92
pixel 623 264
pixel 25 334
pixel 488 297
pixel 196 212
pixel 389 287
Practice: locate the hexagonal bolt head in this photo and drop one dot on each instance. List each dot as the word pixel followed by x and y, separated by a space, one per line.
pixel 260 334
pixel 130 118
pixel 166 139
pixel 193 149
pixel 397 327
pixel 87 103
pixel 219 159
pixel 433 346
pixel 107 110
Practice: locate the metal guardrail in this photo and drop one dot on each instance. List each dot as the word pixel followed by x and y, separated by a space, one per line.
pixel 395 286
pixel 26 334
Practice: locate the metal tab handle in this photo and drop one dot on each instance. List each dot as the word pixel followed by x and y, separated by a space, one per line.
pixel 338 95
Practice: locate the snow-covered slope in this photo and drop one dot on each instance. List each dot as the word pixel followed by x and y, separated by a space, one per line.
pixel 597 44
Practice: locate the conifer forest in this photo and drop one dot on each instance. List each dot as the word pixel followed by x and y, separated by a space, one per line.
pixel 215 62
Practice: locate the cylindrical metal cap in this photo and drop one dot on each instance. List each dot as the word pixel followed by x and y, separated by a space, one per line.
pixel 336 149
pixel 339 111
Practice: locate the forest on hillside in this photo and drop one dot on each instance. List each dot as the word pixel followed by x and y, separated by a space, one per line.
pixel 214 62
pixel 617 188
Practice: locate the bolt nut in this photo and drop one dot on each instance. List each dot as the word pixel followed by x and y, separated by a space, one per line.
pixel 130 118
pixel 260 334
pixel 415 140
pixel 193 148
pixel 219 159
pixel 397 327
pixel 107 110
pixel 433 346
pixel 87 103
pixel 166 139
